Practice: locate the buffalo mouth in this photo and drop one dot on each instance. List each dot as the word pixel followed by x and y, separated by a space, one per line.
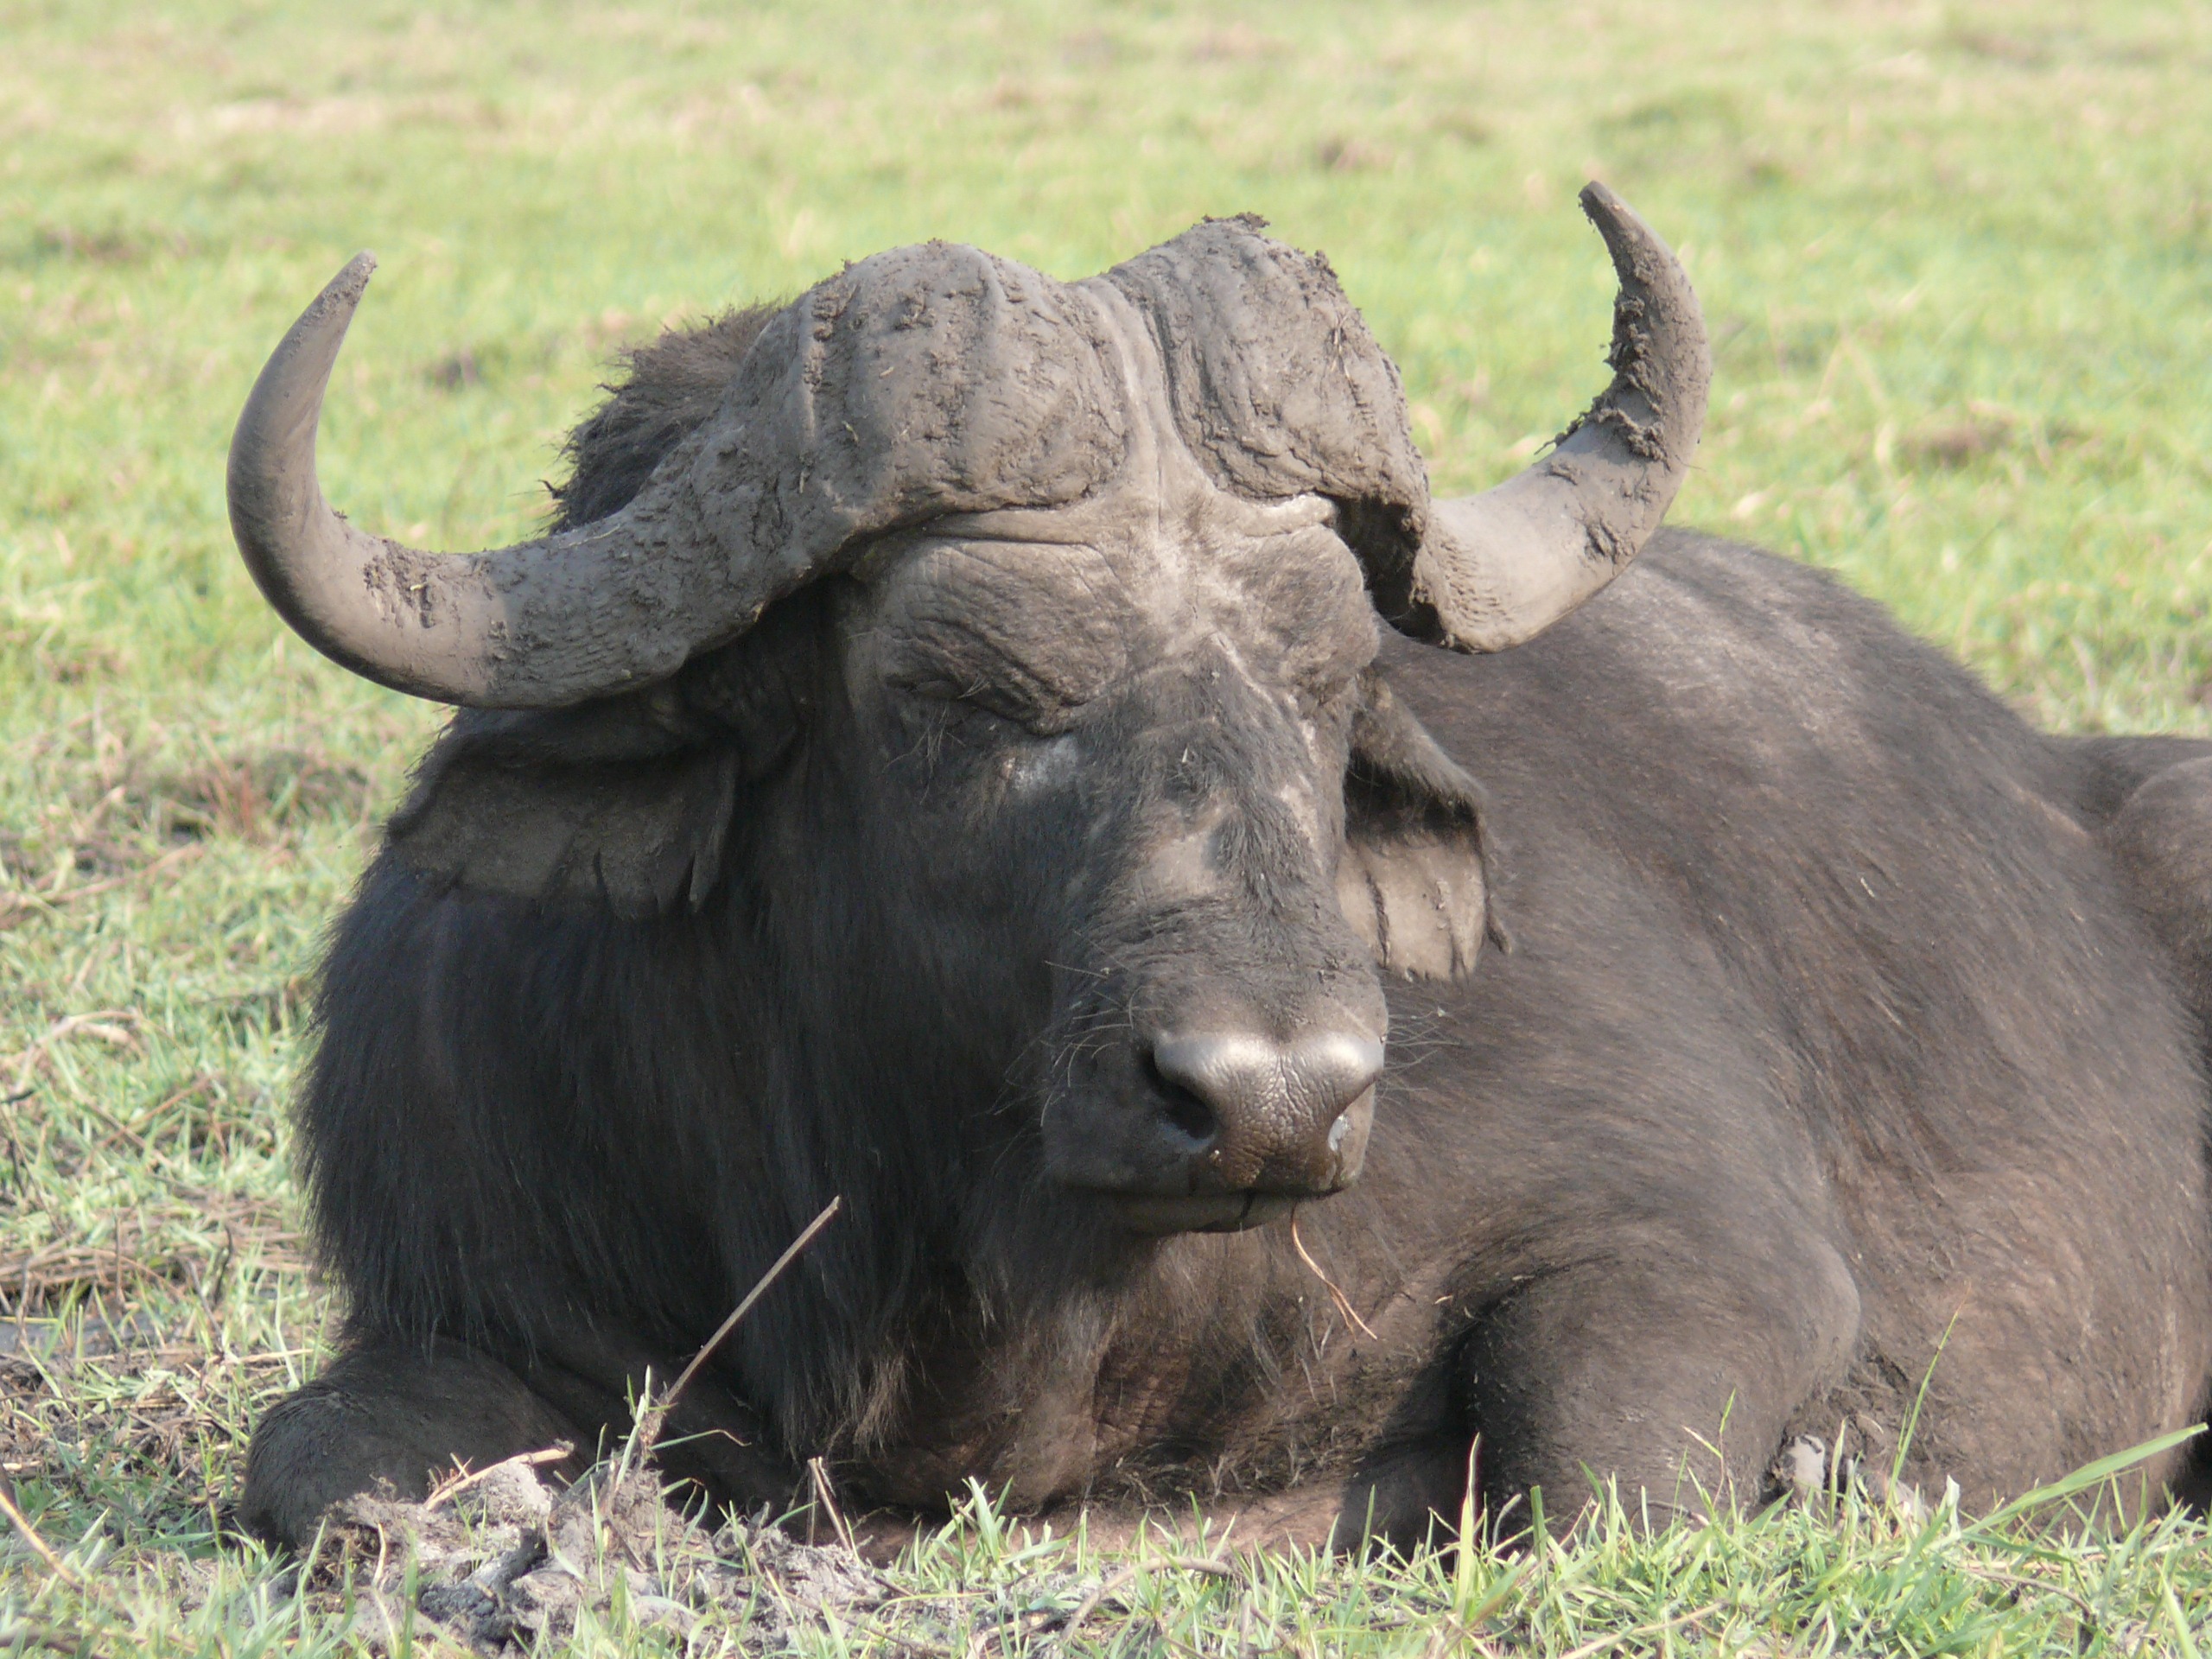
pixel 1200 1212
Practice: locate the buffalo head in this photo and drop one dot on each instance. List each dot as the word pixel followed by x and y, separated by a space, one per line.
pixel 996 655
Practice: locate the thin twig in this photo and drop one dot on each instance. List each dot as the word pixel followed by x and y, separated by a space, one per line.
pixel 649 1431
pixel 62 1570
pixel 1205 1565
pixel 1343 1302
pixel 828 1498
pixel 1452 1636
pixel 1995 1575
pixel 38 1636
pixel 106 1024
pixel 26 901
pixel 468 1477
pixel 1120 1577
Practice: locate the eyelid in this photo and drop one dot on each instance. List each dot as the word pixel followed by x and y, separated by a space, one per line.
pixel 1032 720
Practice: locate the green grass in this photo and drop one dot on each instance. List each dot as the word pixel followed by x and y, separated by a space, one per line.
pixel 1958 265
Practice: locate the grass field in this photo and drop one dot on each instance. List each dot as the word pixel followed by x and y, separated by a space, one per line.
pixel 1958 265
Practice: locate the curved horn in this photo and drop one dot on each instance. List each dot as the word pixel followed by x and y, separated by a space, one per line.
pixel 541 623
pixel 843 421
pixel 1497 568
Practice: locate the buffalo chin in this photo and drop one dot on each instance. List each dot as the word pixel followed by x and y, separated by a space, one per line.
pixel 1200 1212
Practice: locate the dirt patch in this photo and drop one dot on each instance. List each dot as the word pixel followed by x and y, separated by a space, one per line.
pixel 69 882
pixel 455 371
pixel 1342 154
pixel 1237 43
pixel 506 1564
pixel 1984 429
pixel 1955 445
pixel 144 824
pixel 54 1276
pixel 108 244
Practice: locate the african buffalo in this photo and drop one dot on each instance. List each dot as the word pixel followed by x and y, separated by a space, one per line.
pixel 944 753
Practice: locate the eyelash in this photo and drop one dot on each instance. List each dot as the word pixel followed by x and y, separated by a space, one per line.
pixel 931 718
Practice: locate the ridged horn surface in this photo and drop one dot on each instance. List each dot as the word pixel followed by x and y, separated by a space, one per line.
pixel 1497 568
pixel 541 623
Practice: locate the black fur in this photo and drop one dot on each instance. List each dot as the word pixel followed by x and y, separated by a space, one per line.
pixel 1834 1054
pixel 672 387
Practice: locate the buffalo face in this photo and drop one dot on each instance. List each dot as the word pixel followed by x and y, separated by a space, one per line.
pixel 1122 753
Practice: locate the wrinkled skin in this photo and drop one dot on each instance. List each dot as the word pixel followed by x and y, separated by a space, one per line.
pixel 1847 1021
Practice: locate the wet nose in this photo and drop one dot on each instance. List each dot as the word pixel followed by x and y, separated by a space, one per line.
pixel 1289 1117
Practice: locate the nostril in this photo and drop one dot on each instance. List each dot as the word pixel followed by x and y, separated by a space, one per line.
pixel 1190 1116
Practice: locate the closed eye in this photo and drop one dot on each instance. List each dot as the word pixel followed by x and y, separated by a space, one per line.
pixel 955 705
pixel 1003 690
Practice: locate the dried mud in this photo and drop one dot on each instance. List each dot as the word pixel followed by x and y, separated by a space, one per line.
pixel 504 1562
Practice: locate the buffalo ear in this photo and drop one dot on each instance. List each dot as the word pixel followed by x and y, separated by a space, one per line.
pixel 601 804
pixel 1414 879
pixel 624 802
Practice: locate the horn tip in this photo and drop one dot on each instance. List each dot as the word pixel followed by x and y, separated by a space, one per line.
pixel 341 293
pixel 344 289
pixel 1602 206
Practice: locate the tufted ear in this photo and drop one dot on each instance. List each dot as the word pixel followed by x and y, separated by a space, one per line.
pixel 625 802
pixel 588 804
pixel 1415 878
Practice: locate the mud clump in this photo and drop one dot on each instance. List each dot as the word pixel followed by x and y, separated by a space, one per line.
pixel 505 1564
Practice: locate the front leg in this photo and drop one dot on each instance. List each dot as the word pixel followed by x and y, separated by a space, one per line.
pixel 391 1411
pixel 1672 1373
pixel 400 1412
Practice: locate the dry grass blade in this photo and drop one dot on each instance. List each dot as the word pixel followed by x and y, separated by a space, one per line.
pixel 1120 1579
pixel 27 902
pixel 39 1636
pixel 826 1496
pixel 110 1026
pixel 1349 1314
pixel 1452 1636
pixel 61 1569
pixel 37 1281
pixel 461 1482
pixel 648 1432
pixel 1604 1644
pixel 44 1278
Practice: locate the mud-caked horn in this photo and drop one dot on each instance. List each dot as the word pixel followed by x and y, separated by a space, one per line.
pixel 540 624
pixel 1497 568
pixel 877 399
